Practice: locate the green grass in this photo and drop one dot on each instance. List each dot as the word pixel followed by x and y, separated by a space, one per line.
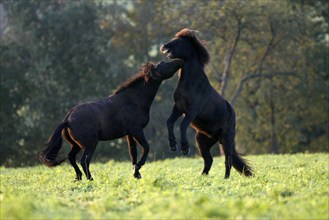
pixel 285 187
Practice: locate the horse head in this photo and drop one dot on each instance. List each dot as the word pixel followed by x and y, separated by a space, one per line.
pixel 186 45
pixel 162 70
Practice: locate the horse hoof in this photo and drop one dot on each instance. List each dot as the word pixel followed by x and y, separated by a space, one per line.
pixel 136 168
pixel 186 151
pixel 173 148
pixel 78 178
pixel 137 175
pixel 226 177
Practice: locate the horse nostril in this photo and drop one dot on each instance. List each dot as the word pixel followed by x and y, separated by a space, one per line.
pixel 162 48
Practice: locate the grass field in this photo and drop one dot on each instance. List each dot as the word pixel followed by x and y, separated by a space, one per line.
pixel 285 187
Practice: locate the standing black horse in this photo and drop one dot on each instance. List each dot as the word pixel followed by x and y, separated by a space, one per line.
pixel 125 113
pixel 210 115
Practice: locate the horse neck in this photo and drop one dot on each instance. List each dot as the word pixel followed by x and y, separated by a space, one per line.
pixel 142 94
pixel 192 70
pixel 149 92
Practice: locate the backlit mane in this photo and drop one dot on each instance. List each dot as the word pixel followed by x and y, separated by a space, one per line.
pixel 201 50
pixel 143 75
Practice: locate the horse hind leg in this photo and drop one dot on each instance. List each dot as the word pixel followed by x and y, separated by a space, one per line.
pixel 75 149
pixel 228 147
pixel 88 142
pixel 72 158
pixel 204 144
pixel 86 158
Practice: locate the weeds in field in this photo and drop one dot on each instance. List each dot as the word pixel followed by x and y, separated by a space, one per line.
pixel 285 186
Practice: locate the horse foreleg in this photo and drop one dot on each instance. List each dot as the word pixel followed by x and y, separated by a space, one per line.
pixel 175 114
pixel 140 138
pixel 132 149
pixel 183 128
pixel 204 144
pixel 133 155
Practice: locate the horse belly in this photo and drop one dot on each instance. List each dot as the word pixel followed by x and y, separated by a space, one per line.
pixel 120 125
pixel 111 129
pixel 111 135
pixel 196 125
pixel 211 127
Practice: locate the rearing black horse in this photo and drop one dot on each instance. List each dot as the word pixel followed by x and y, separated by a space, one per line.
pixel 125 113
pixel 209 114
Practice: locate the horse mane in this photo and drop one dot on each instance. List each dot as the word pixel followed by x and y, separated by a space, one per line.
pixel 143 75
pixel 201 50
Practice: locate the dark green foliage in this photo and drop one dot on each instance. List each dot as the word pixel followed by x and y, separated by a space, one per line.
pixel 55 54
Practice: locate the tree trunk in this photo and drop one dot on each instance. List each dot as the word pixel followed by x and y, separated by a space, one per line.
pixel 258 70
pixel 228 58
pixel 274 145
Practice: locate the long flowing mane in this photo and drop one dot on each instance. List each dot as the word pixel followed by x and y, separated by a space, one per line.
pixel 143 75
pixel 202 51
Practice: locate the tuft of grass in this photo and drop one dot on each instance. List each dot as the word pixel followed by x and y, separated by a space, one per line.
pixel 284 186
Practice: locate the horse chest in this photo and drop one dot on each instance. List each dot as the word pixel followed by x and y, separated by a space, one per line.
pixel 181 100
pixel 187 95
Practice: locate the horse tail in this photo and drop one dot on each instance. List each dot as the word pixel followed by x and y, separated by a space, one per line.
pixel 49 153
pixel 241 165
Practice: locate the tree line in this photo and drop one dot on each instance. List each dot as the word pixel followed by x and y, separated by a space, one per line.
pixel 268 58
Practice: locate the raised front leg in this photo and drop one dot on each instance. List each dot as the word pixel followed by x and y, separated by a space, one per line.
pixel 140 138
pixel 175 114
pixel 183 128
